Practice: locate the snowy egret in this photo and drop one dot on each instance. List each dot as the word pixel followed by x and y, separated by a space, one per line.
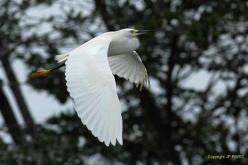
pixel 91 84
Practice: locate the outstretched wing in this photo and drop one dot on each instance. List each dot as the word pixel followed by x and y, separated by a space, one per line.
pixel 92 86
pixel 130 67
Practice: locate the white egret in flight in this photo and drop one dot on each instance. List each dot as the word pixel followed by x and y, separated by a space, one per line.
pixel 90 82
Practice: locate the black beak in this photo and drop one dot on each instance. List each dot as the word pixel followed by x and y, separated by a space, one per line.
pixel 140 32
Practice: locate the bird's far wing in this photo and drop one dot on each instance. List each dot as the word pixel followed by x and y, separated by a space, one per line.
pixel 130 67
pixel 92 86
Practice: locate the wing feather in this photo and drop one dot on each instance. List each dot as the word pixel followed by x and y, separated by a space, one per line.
pixel 92 86
pixel 130 67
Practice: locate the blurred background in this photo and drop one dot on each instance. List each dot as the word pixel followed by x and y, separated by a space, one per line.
pixel 196 58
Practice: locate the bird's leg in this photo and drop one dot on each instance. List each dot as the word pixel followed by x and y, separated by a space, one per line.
pixel 58 66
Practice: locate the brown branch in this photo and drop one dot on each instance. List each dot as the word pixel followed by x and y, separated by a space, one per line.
pixel 102 8
pixel 18 95
pixel 10 120
pixel 170 115
pixel 169 80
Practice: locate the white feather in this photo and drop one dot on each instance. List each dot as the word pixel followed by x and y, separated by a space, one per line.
pixel 129 66
pixel 92 86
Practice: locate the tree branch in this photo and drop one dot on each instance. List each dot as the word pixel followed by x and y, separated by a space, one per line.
pixel 102 8
pixel 18 95
pixel 10 120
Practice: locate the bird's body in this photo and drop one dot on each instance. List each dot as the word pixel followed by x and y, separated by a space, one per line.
pixel 91 84
pixel 120 42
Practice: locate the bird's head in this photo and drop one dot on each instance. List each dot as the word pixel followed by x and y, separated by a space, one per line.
pixel 128 32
